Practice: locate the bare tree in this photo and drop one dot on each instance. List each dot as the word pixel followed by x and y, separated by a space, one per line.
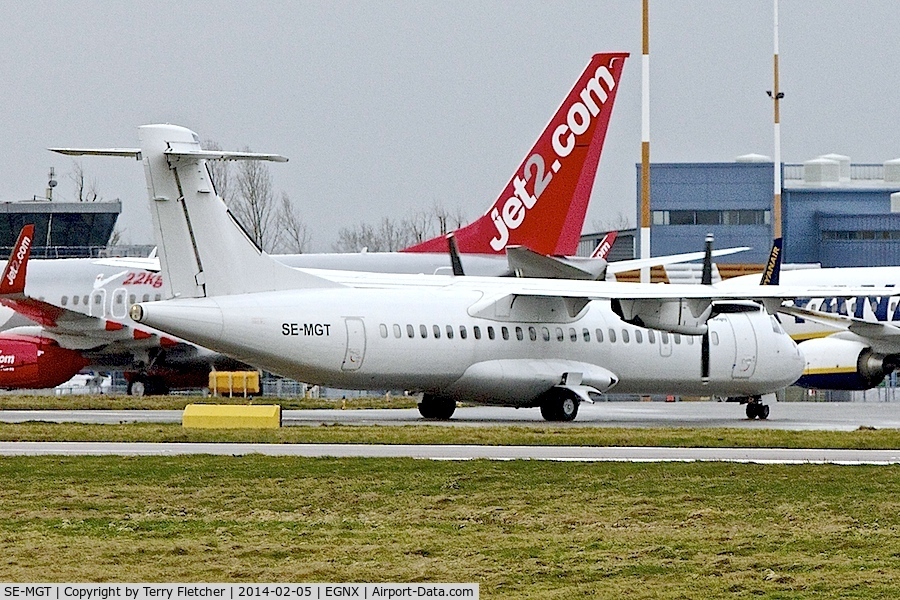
pixel 253 202
pixel 621 221
pixel 85 191
pixel 359 238
pixel 293 234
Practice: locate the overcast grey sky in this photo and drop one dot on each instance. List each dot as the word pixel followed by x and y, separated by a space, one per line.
pixel 386 108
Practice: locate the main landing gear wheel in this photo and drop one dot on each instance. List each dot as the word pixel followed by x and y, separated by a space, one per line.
pixel 560 408
pixel 436 408
pixel 756 410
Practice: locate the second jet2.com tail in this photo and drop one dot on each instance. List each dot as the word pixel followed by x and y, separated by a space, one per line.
pixel 544 204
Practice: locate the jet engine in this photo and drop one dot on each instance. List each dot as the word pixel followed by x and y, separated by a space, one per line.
pixel 838 364
pixel 33 362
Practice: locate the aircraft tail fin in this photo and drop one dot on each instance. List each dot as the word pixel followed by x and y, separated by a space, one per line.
pixel 772 273
pixel 13 281
pixel 544 204
pixel 203 250
pixel 605 246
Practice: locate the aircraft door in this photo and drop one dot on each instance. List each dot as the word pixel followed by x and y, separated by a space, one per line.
pixel 119 308
pixel 356 344
pixel 745 347
pixel 98 304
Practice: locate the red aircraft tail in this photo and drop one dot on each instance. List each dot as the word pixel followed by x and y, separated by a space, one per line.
pixel 13 278
pixel 605 246
pixel 544 205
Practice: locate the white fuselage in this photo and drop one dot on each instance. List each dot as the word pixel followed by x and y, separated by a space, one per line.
pixel 392 338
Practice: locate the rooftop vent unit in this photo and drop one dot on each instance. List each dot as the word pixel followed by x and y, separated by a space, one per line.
pixel 822 171
pixel 892 170
pixel 842 160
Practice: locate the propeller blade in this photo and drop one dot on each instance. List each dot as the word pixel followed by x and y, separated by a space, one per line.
pixel 454 256
pixel 706 277
pixel 704 358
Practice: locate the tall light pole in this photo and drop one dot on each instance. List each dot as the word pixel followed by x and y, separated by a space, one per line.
pixel 645 142
pixel 776 96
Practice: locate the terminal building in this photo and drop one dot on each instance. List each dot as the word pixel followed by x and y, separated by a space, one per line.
pixel 834 213
pixel 61 229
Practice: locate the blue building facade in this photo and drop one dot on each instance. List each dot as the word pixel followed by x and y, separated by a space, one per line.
pixel 733 201
pixel 843 218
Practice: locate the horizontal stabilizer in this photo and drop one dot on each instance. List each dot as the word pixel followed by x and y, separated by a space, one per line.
pixel 222 155
pixel 124 152
pixel 527 263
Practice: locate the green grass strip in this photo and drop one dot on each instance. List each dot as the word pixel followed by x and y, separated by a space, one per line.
pixel 522 529
pixel 540 434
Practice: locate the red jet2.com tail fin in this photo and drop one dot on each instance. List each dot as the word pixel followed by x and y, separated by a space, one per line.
pixel 543 206
pixel 13 281
pixel 605 246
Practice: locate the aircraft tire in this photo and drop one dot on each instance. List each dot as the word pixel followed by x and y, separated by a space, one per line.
pixel 562 407
pixel 136 387
pixel 763 411
pixel 436 408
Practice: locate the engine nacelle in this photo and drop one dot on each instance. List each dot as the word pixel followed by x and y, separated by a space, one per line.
pixel 837 364
pixel 33 362
pixel 676 315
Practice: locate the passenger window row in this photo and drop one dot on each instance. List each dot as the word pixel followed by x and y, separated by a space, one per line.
pixel 98 299
pixel 534 333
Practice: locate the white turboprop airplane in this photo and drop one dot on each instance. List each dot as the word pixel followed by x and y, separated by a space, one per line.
pixel 512 342
pixel 81 304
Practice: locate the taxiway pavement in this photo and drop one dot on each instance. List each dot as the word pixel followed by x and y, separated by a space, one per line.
pixel 834 416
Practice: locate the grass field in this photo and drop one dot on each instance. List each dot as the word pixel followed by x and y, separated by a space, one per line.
pixel 539 434
pixel 521 529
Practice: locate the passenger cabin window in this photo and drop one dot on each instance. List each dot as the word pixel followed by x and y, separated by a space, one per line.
pixel 714 337
pixel 545 333
pixel 158 297
pixel 573 335
pixel 75 300
pixel 504 332
pixel 476 331
pixel 599 333
pixel 677 337
pixel 383 329
pixel 559 334
pixel 64 300
pixel 664 337
pixel 638 336
pixel 462 332
pixel 490 330
pixel 625 339
pixel 612 336
pixel 397 331
pixel 651 336
pixel 449 332
pixel 519 333
pixel 437 331
pixel 423 331
pixel 131 299
pixel 410 331
pixel 586 334
pixel 689 339
pixel 532 334
pixel 146 298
